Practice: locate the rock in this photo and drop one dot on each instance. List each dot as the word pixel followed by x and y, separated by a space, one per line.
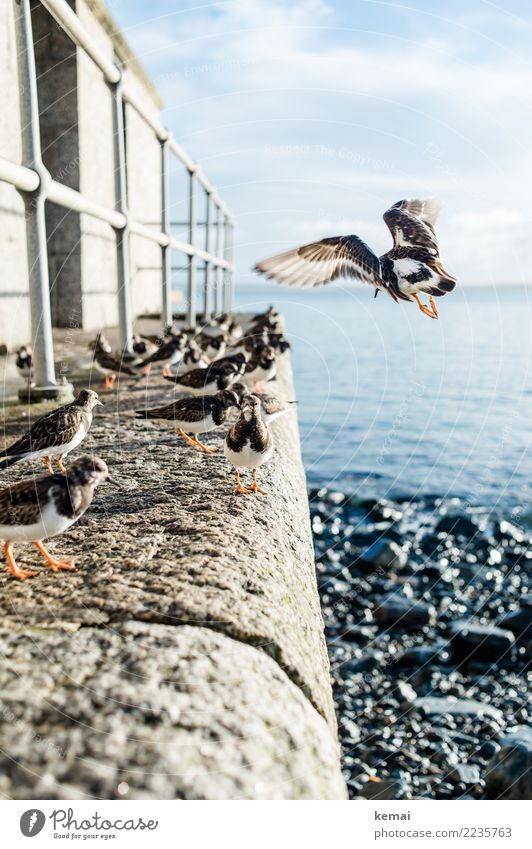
pixel 509 772
pixel 457 525
pixel 487 642
pixel 518 621
pixel 464 774
pixel 387 788
pixel 439 705
pixel 420 656
pixel 384 511
pixel 404 612
pixel 385 554
pixel 405 693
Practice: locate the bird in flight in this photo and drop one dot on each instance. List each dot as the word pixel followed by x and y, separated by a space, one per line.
pixel 412 266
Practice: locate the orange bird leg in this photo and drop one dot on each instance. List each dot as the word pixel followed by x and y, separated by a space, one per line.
pixel 107 384
pixel 240 488
pixel 55 565
pixel 22 574
pixel 258 388
pixel 113 380
pixel 48 464
pixel 254 486
pixel 434 307
pixel 59 461
pixel 203 447
pixel 187 438
pixel 425 309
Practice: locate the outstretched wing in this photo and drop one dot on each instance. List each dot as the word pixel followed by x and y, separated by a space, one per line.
pixel 321 262
pixel 411 223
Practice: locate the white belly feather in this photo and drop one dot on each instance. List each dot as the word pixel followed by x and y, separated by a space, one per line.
pixel 50 524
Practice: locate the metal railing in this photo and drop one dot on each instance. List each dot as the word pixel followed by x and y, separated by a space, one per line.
pixel 36 186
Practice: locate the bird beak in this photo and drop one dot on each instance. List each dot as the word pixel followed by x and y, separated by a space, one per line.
pixel 114 482
pixel 100 403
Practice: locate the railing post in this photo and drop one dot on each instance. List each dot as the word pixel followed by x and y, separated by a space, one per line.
pixel 220 256
pixel 208 266
pixel 191 315
pixel 36 242
pixel 166 251
pixel 228 272
pixel 122 236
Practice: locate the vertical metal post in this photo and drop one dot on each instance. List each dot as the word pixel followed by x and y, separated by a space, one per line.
pixel 220 255
pixel 191 316
pixel 36 242
pixel 122 236
pixel 228 272
pixel 208 266
pixel 166 251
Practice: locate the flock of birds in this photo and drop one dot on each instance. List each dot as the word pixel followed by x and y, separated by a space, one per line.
pixel 222 368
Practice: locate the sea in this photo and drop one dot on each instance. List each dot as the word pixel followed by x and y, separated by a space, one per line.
pixel 393 404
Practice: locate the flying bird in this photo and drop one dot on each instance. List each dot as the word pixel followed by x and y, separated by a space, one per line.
pixel 413 265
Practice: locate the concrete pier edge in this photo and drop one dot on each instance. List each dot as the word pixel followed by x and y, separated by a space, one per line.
pixel 185 657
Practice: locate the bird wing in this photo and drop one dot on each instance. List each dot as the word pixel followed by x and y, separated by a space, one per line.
pixel 411 223
pixel 22 503
pixel 56 428
pixel 321 262
pixel 186 409
pixel 110 361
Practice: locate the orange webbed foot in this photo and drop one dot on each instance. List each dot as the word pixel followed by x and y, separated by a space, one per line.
pixel 55 565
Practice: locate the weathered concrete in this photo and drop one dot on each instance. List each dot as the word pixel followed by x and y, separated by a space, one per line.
pixel 177 548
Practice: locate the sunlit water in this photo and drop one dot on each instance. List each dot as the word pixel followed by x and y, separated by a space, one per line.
pixel 392 403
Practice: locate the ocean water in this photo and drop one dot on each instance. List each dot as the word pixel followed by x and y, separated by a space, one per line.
pixel 392 403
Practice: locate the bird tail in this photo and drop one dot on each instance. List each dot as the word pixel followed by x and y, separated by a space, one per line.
pixel 8 461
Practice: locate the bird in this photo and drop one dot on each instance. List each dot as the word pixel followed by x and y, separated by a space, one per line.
pixel 168 352
pixel 195 415
pixel 271 407
pixel 248 444
pixel 239 358
pixel 109 363
pixel 43 507
pixel 193 357
pixel 213 346
pixel 55 434
pixel 261 367
pixel 206 381
pixel 24 363
pixel 413 265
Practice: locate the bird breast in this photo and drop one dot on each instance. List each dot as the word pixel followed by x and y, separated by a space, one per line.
pixel 49 524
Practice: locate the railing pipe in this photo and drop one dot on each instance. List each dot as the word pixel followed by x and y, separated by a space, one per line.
pixel 208 269
pixel 122 235
pixel 36 242
pixel 220 255
pixel 227 273
pixel 191 285
pixel 166 270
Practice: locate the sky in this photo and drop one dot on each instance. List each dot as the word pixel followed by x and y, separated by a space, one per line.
pixel 312 117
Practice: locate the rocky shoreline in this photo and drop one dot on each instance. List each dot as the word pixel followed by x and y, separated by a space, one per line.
pixel 428 620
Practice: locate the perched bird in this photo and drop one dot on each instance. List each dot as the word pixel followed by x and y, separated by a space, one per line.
pixel 413 264
pixel 216 327
pixel 248 444
pixel 142 347
pixel 43 507
pixel 109 363
pixel 206 381
pixel 261 367
pixel 239 358
pixel 24 363
pixel 195 415
pixel 170 351
pixel 55 434
pixel 193 357
pixel 234 332
pixel 213 346
pixel 271 407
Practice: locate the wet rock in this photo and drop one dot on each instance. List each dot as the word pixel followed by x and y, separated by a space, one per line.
pixel 386 789
pixel 403 612
pixel 519 622
pixel 405 693
pixel 465 774
pixel 505 531
pixel 457 525
pixel 385 554
pixel 425 655
pixel 509 772
pixel 439 705
pixel 469 640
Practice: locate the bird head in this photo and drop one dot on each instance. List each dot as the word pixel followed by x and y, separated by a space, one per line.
pixel 250 407
pixel 88 399
pixel 228 398
pixel 89 470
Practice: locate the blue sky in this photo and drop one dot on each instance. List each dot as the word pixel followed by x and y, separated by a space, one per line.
pixel 313 116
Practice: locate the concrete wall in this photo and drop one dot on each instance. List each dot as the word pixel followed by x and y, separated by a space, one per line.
pixel 14 300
